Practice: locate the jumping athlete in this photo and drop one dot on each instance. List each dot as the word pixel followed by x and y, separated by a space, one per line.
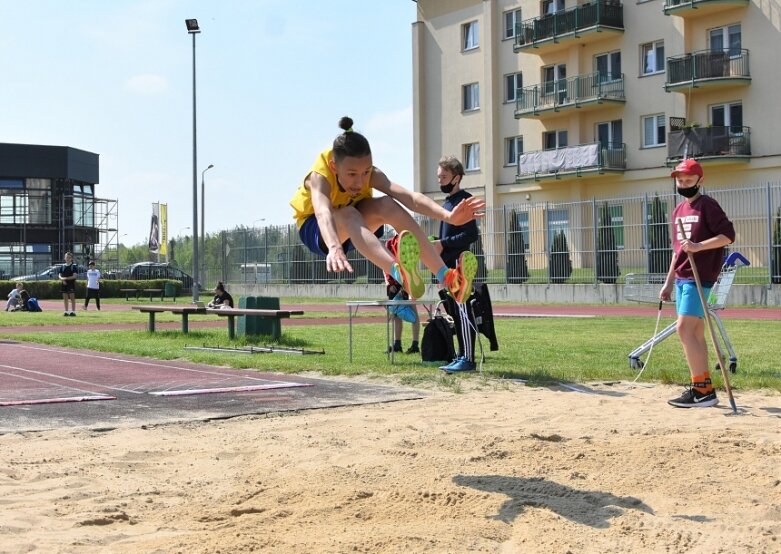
pixel 335 212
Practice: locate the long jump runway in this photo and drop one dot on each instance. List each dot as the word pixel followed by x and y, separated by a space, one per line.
pixel 48 387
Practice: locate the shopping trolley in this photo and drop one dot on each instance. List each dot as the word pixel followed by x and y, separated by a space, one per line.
pixel 644 287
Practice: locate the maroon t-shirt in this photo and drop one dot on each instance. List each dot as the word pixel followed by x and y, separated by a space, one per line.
pixel 702 219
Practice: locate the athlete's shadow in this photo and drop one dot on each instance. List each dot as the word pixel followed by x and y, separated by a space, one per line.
pixel 591 508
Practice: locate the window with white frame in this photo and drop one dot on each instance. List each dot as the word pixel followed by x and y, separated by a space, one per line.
pixel 610 134
pixel 654 133
pixel 472 156
pixel 471 97
pixel 512 83
pixel 608 66
pixel 554 139
pixel 513 147
pixel 470 35
pixel 728 115
pixel 511 19
pixel 725 39
pixel 652 57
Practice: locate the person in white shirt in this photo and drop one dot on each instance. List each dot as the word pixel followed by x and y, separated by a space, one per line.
pixel 14 298
pixel 93 286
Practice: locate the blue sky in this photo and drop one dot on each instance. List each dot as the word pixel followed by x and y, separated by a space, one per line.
pixel 114 77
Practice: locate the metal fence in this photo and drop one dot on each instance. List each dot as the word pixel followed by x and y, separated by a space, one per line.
pixel 584 242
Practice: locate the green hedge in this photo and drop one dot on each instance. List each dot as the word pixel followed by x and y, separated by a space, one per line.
pixel 108 288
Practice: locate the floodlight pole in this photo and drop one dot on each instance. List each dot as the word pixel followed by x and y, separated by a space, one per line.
pixel 203 221
pixel 192 28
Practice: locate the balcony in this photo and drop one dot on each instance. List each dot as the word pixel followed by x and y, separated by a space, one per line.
pixel 705 68
pixel 699 8
pixel 551 32
pixel 582 92
pixel 709 143
pixel 571 161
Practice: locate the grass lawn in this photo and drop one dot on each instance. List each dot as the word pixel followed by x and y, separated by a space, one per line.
pixel 539 350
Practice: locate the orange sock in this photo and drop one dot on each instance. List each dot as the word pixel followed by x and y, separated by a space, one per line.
pixel 702 383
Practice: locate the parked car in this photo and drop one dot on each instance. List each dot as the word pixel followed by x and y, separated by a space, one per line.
pixel 50 274
pixel 153 270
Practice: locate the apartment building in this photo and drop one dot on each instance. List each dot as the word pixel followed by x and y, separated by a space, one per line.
pixel 564 100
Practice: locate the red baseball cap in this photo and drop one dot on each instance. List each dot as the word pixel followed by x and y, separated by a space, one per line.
pixel 688 167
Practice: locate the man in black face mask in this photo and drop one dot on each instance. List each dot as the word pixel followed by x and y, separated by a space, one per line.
pixel 452 241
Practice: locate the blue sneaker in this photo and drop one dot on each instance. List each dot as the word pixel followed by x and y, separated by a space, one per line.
pixel 405 312
pixel 459 365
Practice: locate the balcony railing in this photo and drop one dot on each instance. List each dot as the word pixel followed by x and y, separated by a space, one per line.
pixel 572 160
pixel 705 66
pixel 709 142
pixel 575 91
pixel 692 8
pixel 549 27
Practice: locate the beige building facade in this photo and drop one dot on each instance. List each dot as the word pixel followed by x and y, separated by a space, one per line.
pixel 559 101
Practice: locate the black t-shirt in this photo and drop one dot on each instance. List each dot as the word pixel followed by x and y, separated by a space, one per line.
pixel 68 270
pixel 221 299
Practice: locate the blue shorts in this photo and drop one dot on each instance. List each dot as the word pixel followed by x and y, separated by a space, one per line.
pixel 309 233
pixel 687 299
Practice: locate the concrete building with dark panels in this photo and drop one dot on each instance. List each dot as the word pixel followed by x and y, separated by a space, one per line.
pixel 48 206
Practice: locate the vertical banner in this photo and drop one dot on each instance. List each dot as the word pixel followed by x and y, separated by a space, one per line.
pixel 154 229
pixel 164 230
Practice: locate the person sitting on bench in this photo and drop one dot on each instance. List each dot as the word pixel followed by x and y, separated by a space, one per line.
pixel 222 299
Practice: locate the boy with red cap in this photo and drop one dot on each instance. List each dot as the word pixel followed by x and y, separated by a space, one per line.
pixel 708 231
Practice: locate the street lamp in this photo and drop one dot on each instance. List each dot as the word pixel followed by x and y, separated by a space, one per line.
pixel 203 222
pixel 193 29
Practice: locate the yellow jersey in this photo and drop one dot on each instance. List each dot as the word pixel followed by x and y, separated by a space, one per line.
pixel 302 199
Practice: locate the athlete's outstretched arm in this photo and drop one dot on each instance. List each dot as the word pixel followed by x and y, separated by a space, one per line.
pixel 336 259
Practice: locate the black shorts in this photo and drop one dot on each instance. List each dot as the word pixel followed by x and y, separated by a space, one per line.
pixel 68 287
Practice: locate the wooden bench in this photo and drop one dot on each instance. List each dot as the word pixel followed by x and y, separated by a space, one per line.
pixel 151 292
pixel 127 292
pixel 230 313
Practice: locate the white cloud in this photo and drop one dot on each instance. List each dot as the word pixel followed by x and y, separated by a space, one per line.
pixel 147 84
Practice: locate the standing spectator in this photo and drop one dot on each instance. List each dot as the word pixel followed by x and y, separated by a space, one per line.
pixel 452 243
pixel 68 273
pixel 14 298
pixel 93 286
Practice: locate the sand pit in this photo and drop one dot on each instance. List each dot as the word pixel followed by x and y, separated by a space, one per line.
pixel 498 467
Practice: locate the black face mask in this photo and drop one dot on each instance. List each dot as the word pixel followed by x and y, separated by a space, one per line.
pixel 688 192
pixel 448 188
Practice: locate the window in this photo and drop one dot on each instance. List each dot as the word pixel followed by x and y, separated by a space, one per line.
pixel 610 134
pixel 554 139
pixel 725 39
pixel 558 220
pixel 552 6
pixel 616 223
pixel 470 35
pixel 608 66
pixel 554 78
pixel 653 57
pixel 511 19
pixel 472 156
pixel 512 83
pixel 653 131
pixel 513 147
pixel 471 97
pixel 728 115
pixel 522 218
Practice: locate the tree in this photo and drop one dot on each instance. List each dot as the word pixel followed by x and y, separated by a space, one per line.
pixel 560 262
pixel 517 268
pixel 607 256
pixel 775 274
pixel 659 249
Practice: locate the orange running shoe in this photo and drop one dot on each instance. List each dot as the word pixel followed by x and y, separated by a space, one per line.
pixel 459 280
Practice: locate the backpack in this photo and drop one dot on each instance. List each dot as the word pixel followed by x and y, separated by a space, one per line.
pixel 437 342
pixel 32 305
